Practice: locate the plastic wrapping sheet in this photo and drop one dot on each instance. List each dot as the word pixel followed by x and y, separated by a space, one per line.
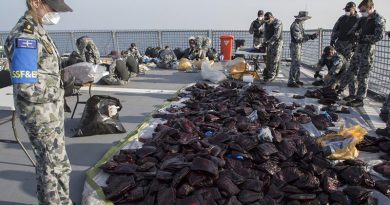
pixel 147 133
pixel 90 196
pixel 211 74
pixel 95 178
pixel 85 73
pixel 93 194
pixel 285 95
pixel 314 132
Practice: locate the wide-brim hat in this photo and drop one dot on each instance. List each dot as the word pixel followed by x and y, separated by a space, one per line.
pixel 303 15
pixel 58 5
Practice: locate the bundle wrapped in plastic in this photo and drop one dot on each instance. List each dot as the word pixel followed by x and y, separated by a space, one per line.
pixel 237 61
pixel 84 73
pixel 184 65
pixel 342 146
pixel 239 68
pixel 198 64
pixel 214 76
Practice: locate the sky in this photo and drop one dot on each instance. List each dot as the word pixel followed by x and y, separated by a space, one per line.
pixel 184 14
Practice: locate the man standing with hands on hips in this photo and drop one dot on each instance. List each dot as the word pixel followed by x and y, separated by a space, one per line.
pixel 39 96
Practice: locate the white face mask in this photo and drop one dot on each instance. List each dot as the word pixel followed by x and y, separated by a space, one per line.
pixel 51 18
pixel 348 13
pixel 364 14
pixel 260 18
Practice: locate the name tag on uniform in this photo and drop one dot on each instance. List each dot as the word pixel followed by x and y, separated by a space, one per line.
pixel 25 61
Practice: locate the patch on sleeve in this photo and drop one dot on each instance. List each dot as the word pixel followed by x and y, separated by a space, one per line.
pixel 26 43
pixel 25 61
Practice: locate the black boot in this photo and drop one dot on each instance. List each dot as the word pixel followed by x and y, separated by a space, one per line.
pixel 356 103
pixel 383 132
pixel 318 83
pixel 67 108
pixel 349 98
pixel 265 81
pixel 300 83
pixel 384 116
pixel 293 85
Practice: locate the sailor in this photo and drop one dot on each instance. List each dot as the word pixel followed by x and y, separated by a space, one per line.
pixel 257 30
pixel 39 96
pixel 369 30
pixel 298 37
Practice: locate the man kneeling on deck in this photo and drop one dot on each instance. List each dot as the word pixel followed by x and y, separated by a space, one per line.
pixel 336 64
pixel 119 74
pixel 168 58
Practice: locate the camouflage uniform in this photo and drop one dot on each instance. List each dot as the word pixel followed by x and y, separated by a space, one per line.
pixel 298 37
pixel 35 66
pixel 203 43
pixel 189 53
pixel 274 41
pixel 132 65
pixel 385 116
pixel 336 68
pixel 386 111
pixel 345 43
pixel 168 58
pixel 257 29
pixel 88 50
pixel 135 53
pixel 370 31
pixel 196 54
pixel 112 78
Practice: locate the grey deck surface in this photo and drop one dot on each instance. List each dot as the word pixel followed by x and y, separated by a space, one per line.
pixel 17 178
